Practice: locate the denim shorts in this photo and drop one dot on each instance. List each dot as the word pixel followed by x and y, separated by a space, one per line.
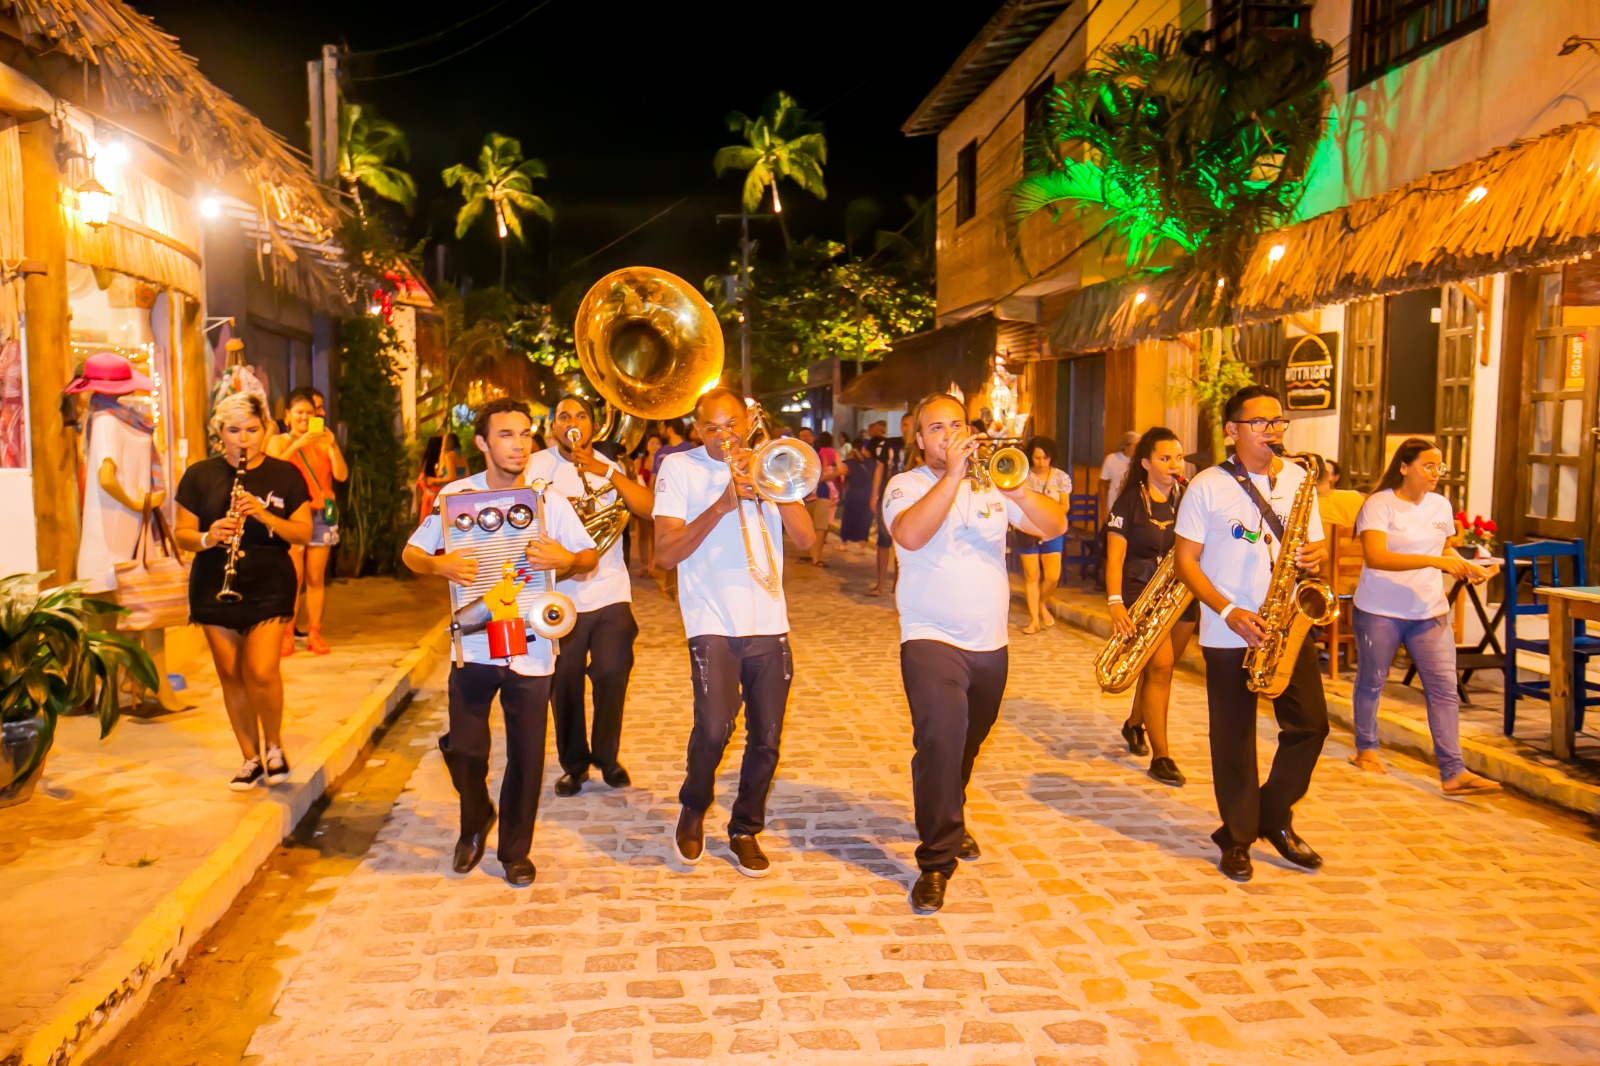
pixel 322 534
pixel 1052 546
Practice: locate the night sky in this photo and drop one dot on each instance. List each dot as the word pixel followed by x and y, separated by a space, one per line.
pixel 624 102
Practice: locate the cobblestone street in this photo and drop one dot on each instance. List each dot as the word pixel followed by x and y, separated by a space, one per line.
pixel 1095 929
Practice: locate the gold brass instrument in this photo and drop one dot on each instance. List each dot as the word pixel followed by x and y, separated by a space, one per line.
pixel 553 614
pixel 784 470
pixel 1295 601
pixel 604 521
pixel 1153 615
pixel 998 462
pixel 226 593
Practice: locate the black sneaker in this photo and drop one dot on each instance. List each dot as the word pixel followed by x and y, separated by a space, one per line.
pixel 1133 736
pixel 1166 771
pixel 277 766
pixel 249 775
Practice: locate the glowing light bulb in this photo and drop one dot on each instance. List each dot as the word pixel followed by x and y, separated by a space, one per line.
pixel 1221 282
pixel 1477 194
pixel 115 153
pixel 1275 253
pixel 1140 297
pixel 210 207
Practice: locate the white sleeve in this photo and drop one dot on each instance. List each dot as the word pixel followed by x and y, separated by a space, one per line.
pixel 1374 514
pixel 902 491
pixel 429 536
pixel 672 493
pixel 1194 511
pixel 566 529
pixel 1015 516
pixel 1314 531
pixel 1106 473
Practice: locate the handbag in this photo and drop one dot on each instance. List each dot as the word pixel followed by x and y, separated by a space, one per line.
pixel 155 592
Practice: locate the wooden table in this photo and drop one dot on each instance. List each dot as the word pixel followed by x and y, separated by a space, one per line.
pixel 1567 605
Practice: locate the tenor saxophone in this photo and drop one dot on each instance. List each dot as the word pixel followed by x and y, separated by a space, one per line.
pixel 1295 601
pixel 1153 615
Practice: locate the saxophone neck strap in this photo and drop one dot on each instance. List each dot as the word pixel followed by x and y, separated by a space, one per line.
pixel 1268 515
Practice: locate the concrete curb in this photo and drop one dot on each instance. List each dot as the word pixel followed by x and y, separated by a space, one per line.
pixel 106 999
pixel 1399 732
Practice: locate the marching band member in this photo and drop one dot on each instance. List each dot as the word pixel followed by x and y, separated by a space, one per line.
pixel 1230 521
pixel 601 642
pixel 504 434
pixel 953 597
pixel 1139 535
pixel 727 543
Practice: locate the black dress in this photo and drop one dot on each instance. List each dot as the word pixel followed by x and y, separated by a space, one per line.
pixel 1148 528
pixel 264 575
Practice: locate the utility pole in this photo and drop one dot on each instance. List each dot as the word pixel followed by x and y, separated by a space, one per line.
pixel 322 91
pixel 746 247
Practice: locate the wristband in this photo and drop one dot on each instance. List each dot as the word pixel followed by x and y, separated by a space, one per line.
pixel 1113 599
pixel 205 540
pixel 1223 614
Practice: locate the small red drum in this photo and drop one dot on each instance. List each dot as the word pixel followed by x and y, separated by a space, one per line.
pixel 507 638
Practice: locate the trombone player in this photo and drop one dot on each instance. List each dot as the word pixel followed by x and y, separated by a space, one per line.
pixel 1231 526
pixel 600 645
pixel 726 539
pixel 948 519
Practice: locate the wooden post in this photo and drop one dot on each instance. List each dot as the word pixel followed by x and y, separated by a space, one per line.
pixel 48 355
pixel 1561 694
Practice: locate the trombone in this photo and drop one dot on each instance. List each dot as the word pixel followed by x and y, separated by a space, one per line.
pixel 783 470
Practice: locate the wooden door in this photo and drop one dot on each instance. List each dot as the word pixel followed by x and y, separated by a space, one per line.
pixel 1363 403
pixel 1458 350
pixel 1556 482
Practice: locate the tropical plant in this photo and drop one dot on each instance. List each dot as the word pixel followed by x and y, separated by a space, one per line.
pixel 52 661
pixel 368 146
pixel 782 143
pixel 502 182
pixel 1184 147
pixel 912 245
pixel 373 522
pixel 1216 377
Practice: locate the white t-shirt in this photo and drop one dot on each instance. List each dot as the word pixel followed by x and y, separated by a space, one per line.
pixel 563 527
pixel 1414 529
pixel 1218 513
pixel 716 591
pixel 954 588
pixel 608 582
pixel 1115 470
pixel 110 530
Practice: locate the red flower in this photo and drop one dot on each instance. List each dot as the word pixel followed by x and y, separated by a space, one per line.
pixel 1490 527
pixel 1461 516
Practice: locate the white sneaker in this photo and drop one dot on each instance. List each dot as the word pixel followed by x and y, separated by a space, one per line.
pixel 248 777
pixel 277 766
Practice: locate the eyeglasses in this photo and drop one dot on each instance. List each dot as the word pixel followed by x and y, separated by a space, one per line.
pixel 1435 469
pixel 719 432
pixel 1261 425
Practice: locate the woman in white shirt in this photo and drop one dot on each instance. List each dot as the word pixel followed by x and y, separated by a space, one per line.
pixel 1400 599
pixel 1041 559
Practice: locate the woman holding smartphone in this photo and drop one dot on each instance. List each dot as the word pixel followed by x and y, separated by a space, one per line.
pixel 1400 599
pixel 315 453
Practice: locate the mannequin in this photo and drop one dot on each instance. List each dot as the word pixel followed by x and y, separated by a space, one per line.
pixel 123 479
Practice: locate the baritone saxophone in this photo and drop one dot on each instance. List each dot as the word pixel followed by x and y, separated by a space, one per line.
pixel 1153 614
pixel 1296 601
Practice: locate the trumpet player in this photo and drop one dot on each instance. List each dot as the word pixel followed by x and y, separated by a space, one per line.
pixel 1231 524
pixel 1139 534
pixel 504 434
pixel 953 598
pixel 726 540
pixel 600 645
pixel 240 512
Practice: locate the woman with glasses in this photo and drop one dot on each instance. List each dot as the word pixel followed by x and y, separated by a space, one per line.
pixel 1400 599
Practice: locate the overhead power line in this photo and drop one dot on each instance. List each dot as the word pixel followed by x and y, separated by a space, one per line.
pixel 458 53
pixel 434 36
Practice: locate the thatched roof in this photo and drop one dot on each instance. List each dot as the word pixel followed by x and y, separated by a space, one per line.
pixel 1540 204
pixel 142 68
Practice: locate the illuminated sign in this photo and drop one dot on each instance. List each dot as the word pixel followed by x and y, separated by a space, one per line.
pixel 1308 376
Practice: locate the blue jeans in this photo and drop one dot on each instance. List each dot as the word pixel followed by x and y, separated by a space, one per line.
pixel 1432 645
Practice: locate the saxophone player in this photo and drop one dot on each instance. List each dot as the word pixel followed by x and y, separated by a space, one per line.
pixel 1231 524
pixel 727 543
pixel 953 598
pixel 600 645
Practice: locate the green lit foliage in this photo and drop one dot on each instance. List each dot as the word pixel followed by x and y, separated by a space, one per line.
pixel 368 146
pixel 502 183
pixel 373 522
pixel 1183 147
pixel 782 143
pixel 818 303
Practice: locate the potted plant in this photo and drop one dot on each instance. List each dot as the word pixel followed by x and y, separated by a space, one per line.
pixel 1477 535
pixel 53 662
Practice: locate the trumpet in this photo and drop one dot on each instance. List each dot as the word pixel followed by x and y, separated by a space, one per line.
pixel 997 462
pixel 226 593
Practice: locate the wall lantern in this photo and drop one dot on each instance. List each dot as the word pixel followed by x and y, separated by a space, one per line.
pixel 95 203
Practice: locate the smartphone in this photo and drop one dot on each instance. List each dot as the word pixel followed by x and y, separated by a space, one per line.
pixel 318 424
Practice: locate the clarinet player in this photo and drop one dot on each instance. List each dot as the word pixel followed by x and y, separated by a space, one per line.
pixel 1230 526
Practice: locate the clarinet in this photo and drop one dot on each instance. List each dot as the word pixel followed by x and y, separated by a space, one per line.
pixel 226 594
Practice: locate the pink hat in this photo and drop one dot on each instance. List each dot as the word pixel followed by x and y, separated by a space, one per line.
pixel 112 374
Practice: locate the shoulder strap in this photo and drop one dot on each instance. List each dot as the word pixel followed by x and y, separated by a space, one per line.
pixel 1268 515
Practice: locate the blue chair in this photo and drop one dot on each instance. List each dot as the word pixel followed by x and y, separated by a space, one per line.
pixel 1082 544
pixel 1540 562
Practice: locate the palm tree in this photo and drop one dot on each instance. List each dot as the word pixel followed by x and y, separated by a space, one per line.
pixel 367 147
pixel 912 245
pixel 783 143
pixel 503 180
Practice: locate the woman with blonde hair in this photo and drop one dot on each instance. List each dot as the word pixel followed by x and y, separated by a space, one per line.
pixel 244 495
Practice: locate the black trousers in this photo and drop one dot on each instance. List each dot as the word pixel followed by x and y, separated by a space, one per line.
pixel 599 647
pixel 726 670
pixel 955 698
pixel 1249 808
pixel 523 704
